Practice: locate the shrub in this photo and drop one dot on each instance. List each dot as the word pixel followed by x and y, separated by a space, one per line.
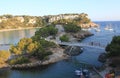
pixel 19 60
pixel 113 49
pixel 64 38
pixel 72 28
pixel 4 56
pixel 46 31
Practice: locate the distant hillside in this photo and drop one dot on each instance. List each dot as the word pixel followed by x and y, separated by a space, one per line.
pixel 16 22
pixel 82 18
pixel 10 22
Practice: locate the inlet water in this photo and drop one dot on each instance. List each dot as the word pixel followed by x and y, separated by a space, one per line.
pixel 64 68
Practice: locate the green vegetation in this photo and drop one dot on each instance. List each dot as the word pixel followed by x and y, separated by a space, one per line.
pixel 81 19
pixel 19 60
pixel 32 48
pixel 46 44
pixel 36 46
pixel 4 55
pixel 64 38
pixel 72 28
pixel 42 54
pixel 113 49
pixel 25 45
pixel 12 22
pixel 49 30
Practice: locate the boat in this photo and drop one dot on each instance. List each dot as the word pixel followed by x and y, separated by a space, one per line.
pixel 108 27
pixel 78 72
pixel 83 72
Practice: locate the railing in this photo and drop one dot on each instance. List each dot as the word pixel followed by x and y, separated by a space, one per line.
pixel 92 45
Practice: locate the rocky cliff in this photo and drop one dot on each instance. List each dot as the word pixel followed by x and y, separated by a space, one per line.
pixel 17 22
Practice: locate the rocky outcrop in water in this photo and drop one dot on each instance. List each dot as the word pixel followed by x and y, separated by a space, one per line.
pixel 82 34
pixel 102 57
pixel 89 25
pixel 73 51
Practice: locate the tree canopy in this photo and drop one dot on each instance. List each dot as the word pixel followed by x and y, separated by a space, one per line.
pixel 113 49
pixel 25 45
pixel 64 38
pixel 37 45
pixel 4 55
pixel 47 31
pixel 71 28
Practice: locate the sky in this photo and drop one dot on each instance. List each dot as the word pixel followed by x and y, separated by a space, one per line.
pixel 97 10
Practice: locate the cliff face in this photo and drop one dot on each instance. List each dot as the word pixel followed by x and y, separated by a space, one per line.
pixel 62 16
pixel 81 20
pixel 14 22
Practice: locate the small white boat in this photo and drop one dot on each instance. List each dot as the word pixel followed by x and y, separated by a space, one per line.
pixel 81 72
pixel 108 28
pixel 78 72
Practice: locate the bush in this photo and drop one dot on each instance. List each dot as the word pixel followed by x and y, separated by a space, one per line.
pixel 48 53
pixel 41 53
pixel 19 60
pixel 64 38
pixel 46 44
pixel 4 55
pixel 46 31
pixel 113 49
pixel 25 45
pixel 72 28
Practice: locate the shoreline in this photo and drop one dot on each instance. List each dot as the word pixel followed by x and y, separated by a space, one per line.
pixel 4 30
pixel 58 54
pixel 107 68
pixel 35 64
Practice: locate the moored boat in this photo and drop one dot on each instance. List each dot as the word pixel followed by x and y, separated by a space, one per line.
pixel 84 73
pixel 108 27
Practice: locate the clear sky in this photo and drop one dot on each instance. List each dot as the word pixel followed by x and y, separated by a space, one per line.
pixel 98 10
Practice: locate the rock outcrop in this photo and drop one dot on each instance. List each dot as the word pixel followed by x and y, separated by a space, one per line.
pixel 82 34
pixel 73 51
pixel 102 57
pixel 89 25
pixel 58 54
